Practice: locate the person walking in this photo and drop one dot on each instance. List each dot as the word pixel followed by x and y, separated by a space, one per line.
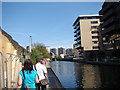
pixel 42 73
pixel 27 77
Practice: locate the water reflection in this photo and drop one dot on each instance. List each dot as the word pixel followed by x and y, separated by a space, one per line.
pixel 77 75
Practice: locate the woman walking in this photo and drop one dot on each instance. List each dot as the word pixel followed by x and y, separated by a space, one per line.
pixel 27 77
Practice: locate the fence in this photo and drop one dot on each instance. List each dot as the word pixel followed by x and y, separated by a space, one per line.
pixel 10 65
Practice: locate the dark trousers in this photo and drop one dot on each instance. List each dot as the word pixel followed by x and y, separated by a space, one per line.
pixel 39 85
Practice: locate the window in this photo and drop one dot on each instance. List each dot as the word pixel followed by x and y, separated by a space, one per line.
pixel 95 37
pixel 89 17
pixel 93 17
pixel 94 27
pixel 95 47
pixel 85 18
pixel 95 42
pixel 93 32
pixel 94 22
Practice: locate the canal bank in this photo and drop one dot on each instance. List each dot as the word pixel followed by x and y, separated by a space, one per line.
pixel 97 62
pixel 54 82
pixel 81 75
pixel 108 62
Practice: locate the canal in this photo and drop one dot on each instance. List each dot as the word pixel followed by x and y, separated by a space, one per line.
pixel 79 75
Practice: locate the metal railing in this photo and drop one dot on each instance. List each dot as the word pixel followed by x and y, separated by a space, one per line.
pixel 12 69
pixel 10 65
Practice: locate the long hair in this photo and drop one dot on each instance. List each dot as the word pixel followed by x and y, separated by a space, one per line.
pixel 28 66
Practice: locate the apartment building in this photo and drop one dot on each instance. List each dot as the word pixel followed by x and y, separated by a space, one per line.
pixel 69 51
pixel 55 51
pixel 110 25
pixel 61 50
pixel 86 33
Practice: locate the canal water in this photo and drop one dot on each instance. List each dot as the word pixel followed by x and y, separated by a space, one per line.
pixel 79 75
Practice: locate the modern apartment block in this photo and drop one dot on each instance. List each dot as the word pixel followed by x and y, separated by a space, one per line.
pixel 54 50
pixel 69 51
pixel 61 50
pixel 110 25
pixel 86 33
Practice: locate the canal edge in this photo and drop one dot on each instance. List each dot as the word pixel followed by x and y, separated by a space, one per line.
pixel 54 82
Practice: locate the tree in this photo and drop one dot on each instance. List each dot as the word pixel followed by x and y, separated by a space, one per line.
pixel 34 55
pixel 39 51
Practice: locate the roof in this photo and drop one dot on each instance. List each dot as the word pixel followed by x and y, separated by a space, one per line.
pixel 89 15
pixel 13 42
pixel 84 16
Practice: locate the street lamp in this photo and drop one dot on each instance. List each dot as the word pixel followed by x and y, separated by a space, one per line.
pixel 30 43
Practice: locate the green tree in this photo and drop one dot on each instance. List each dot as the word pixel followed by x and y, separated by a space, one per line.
pixel 43 52
pixel 39 51
pixel 34 55
pixel 58 57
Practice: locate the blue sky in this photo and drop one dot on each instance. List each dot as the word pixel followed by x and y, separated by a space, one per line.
pixel 47 22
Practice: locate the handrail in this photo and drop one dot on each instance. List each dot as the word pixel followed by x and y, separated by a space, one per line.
pixel 11 57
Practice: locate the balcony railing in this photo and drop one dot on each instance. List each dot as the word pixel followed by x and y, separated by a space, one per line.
pixel 109 21
pixel 75 39
pixel 108 30
pixel 75 31
pixel 107 14
pixel 78 47
pixel 78 28
pixel 78 32
pixel 75 35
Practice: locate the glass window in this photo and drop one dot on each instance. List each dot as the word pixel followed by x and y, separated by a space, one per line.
pixel 95 47
pixel 93 17
pixel 85 18
pixel 94 32
pixel 95 37
pixel 94 27
pixel 94 22
pixel 95 42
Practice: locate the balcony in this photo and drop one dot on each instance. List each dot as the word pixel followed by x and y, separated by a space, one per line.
pixel 78 47
pixel 75 35
pixel 78 28
pixel 74 27
pixel 75 31
pixel 78 42
pixel 78 36
pixel 107 14
pixel 108 30
pixel 78 32
pixel 75 39
pixel 109 21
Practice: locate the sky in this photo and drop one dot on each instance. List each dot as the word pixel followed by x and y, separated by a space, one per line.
pixel 49 23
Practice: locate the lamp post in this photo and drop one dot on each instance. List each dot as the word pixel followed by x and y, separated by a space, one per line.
pixel 30 43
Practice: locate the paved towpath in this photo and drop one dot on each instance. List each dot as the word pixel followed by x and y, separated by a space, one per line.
pixel 53 80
